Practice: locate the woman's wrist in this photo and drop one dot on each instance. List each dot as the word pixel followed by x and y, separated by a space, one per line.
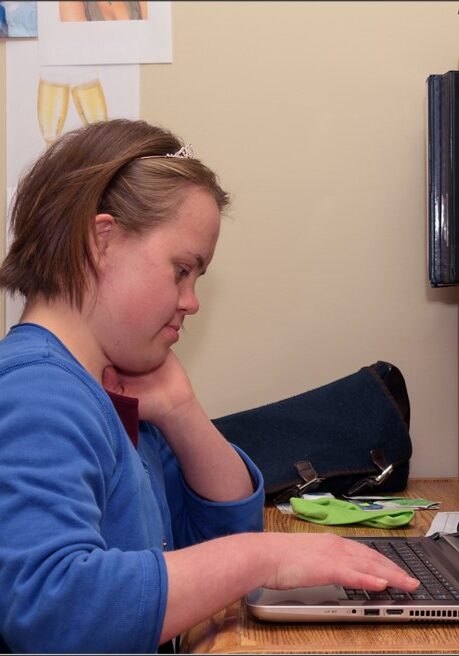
pixel 210 465
pixel 231 566
pixel 179 418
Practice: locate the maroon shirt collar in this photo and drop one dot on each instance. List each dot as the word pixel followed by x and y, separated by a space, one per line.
pixel 127 408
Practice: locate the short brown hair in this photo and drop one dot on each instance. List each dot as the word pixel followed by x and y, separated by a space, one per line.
pixel 93 170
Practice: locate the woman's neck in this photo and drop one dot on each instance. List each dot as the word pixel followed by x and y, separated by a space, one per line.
pixel 70 325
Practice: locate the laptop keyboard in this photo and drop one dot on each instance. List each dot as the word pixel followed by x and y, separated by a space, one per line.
pixel 410 557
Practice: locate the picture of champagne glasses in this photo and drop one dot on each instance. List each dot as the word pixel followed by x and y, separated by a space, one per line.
pixel 90 102
pixel 53 105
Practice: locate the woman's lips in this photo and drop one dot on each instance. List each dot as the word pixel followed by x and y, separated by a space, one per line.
pixel 173 331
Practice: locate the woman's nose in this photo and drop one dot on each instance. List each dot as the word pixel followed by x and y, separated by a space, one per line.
pixel 189 301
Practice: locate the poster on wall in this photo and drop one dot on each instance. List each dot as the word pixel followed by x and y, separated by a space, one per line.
pixel 18 20
pixel 44 102
pixel 102 32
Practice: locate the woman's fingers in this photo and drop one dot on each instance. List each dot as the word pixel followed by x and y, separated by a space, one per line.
pixel 322 559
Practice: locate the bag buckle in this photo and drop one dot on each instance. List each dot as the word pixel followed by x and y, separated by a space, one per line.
pixel 371 481
pixel 380 478
pixel 310 477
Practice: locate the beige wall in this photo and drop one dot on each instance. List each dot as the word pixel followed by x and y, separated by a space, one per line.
pixel 313 113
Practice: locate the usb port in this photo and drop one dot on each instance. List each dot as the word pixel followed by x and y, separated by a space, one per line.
pixel 394 611
pixel 371 611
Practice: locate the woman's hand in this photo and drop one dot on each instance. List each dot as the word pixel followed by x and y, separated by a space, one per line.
pixel 160 391
pixel 325 558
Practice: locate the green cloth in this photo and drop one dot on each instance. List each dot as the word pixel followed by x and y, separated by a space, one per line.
pixel 333 512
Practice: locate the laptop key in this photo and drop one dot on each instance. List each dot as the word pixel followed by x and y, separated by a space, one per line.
pixel 436 590
pixel 396 593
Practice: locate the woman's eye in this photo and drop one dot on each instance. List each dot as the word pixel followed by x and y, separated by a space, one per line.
pixel 182 272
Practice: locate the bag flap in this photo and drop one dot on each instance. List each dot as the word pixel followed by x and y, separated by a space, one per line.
pixel 335 427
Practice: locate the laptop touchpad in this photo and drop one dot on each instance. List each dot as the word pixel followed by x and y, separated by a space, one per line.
pixel 323 594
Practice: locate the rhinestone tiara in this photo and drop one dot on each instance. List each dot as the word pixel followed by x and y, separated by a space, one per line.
pixel 185 152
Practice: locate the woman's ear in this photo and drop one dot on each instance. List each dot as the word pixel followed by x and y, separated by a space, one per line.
pixel 105 226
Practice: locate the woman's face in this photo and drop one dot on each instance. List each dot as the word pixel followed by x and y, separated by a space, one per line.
pixel 146 283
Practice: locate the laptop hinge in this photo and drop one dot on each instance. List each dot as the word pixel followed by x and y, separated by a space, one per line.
pixel 452 539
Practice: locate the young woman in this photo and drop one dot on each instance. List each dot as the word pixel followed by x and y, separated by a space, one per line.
pixel 126 517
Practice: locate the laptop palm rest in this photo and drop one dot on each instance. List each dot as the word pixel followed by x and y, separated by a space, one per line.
pixel 320 603
pixel 322 594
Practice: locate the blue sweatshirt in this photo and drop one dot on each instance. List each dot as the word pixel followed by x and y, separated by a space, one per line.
pixel 84 515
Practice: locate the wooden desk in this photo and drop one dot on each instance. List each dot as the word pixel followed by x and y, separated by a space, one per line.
pixel 232 632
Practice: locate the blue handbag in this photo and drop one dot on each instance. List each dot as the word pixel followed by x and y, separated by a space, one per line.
pixel 347 437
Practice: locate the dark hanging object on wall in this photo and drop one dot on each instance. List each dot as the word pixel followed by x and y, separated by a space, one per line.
pixel 443 182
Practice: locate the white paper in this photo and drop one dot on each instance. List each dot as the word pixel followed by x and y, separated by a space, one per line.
pixel 104 42
pixel 444 522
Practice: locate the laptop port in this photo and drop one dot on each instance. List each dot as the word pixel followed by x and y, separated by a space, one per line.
pixel 371 611
pixel 394 611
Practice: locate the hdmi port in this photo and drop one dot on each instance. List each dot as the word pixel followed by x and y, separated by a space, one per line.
pixel 371 611
pixel 394 611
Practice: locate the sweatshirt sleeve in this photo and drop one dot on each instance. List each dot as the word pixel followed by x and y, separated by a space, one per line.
pixel 62 588
pixel 195 519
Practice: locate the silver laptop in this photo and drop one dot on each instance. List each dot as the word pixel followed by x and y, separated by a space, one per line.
pixel 434 560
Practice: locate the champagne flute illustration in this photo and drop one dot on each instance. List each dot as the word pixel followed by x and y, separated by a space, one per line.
pixel 90 102
pixel 52 108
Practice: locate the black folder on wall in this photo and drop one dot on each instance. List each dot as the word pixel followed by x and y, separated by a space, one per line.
pixel 443 185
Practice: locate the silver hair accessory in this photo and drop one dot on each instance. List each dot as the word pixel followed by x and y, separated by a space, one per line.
pixel 185 152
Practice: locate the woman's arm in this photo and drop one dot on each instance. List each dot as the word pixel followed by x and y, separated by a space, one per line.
pixel 210 465
pixel 223 570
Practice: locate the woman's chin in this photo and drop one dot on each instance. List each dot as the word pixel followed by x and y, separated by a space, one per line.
pixel 141 367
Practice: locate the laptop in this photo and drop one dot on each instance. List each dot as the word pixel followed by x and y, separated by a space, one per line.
pixel 434 560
